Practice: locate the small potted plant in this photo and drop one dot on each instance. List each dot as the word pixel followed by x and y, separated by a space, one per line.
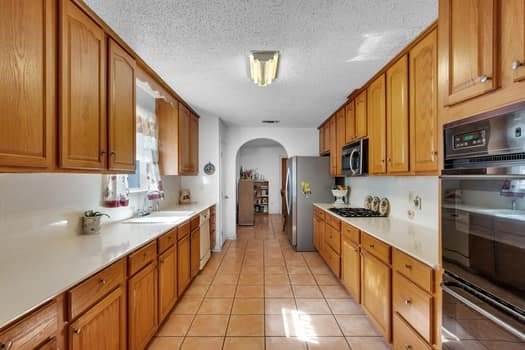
pixel 91 221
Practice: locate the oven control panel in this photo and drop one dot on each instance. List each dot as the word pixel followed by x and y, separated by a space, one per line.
pixel 477 138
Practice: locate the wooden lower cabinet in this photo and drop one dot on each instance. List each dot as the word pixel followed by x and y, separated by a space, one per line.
pixel 103 326
pixel 405 338
pixel 195 254
pixel 376 297
pixel 184 267
pixel 51 344
pixel 167 282
pixel 142 307
pixel 351 268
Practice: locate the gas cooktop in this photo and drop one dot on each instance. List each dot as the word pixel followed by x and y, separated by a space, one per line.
pixel 355 212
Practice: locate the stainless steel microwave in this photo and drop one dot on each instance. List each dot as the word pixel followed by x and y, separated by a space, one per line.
pixel 355 158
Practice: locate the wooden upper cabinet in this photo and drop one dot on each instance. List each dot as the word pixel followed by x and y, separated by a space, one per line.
pixel 194 145
pixel 168 121
pixel 361 115
pixel 28 83
pixel 397 117
pixel 185 165
pixel 321 140
pixel 333 145
pixel 121 111
pixel 350 132
pixel 513 35
pixel 83 136
pixel 423 105
pixel 103 326
pixel 469 48
pixel 326 138
pixel 377 125
pixel 340 139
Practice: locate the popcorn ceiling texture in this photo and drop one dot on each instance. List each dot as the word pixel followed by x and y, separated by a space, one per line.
pixel 328 48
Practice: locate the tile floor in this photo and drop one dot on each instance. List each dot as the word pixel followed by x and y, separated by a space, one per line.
pixel 258 293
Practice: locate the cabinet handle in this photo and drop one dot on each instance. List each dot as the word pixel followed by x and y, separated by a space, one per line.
pixel 6 346
pixel 484 78
pixel 408 347
pixel 372 246
pixel 408 266
pixel 102 152
pixel 408 301
pixel 112 153
pixel 77 331
pixel 516 64
pixel 103 281
pixel 382 160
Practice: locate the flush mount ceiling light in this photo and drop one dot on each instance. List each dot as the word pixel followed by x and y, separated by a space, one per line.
pixel 263 67
pixel 270 121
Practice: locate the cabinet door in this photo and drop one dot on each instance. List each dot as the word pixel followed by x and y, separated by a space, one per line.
pixel 167 282
pixel 333 146
pixel 185 166
pixel 28 83
pixel 423 105
pixel 168 121
pixel 351 268
pixel 376 292
pixel 103 327
pixel 51 344
pixel 143 307
pixel 340 139
pixel 326 138
pixel 195 252
pixel 316 232
pixel 194 144
pixel 469 48
pixel 184 267
pixel 397 117
pixel 361 115
pixel 83 136
pixel 377 126
pixel 321 140
pixel 121 112
pixel 350 133
pixel 517 63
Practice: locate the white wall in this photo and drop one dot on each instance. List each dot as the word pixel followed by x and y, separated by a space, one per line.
pixel 295 141
pixel 267 161
pixel 397 189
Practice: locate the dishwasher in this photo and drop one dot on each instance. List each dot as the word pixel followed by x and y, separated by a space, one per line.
pixel 205 237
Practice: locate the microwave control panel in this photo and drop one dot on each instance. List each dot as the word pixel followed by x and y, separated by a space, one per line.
pixel 477 138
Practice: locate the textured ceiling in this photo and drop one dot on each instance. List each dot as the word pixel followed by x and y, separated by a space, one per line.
pixel 328 48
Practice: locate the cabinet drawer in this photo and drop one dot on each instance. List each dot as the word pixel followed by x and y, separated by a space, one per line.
pixel 406 338
pixel 414 305
pixel 167 240
pixel 333 239
pixel 333 221
pixel 377 248
pixel 416 271
pixel 195 222
pixel 333 260
pixel 319 212
pixel 183 230
pixel 349 232
pixel 95 288
pixel 142 257
pixel 31 330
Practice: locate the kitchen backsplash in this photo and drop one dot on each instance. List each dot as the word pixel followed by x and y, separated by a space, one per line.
pixel 398 189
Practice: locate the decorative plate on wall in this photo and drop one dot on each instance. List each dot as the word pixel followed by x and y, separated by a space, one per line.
pixel 209 169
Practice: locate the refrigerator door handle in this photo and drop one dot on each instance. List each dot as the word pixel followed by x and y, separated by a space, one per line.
pixel 286 195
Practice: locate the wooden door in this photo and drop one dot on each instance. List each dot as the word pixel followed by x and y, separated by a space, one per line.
pixel 398 154
pixel 28 83
pixel 350 133
pixel 361 115
pixel 122 126
pixel 376 292
pixel 377 126
pixel 340 139
pixel 423 105
pixel 469 50
pixel 183 265
pixel 103 327
pixel 167 282
pixel 143 307
pixel 83 135
pixel 185 166
pixel 351 268
pixel 168 121
pixel 333 146
pixel 195 253
pixel 194 144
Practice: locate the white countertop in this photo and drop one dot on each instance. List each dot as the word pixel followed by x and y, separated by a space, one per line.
pixel 415 240
pixel 33 270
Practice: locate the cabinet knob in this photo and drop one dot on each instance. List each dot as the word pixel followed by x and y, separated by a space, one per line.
pixel 408 266
pixel 516 64
pixel 372 246
pixel 408 347
pixel 103 281
pixel 112 153
pixel 102 152
pixel 408 301
pixel 382 160
pixel 484 78
pixel 77 331
pixel 6 346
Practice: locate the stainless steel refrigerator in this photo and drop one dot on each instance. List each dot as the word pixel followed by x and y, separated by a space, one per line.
pixel 303 174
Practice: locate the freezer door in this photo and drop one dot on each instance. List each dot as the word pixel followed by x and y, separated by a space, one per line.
pixel 291 218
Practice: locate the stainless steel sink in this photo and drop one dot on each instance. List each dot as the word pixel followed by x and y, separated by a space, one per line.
pixel 161 217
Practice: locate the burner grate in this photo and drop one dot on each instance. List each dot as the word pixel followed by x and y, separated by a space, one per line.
pixel 355 212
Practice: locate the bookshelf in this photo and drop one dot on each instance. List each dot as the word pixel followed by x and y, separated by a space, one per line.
pixel 262 197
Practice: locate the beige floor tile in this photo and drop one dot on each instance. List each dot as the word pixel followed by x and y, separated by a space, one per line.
pixel 334 292
pixel 283 343
pixel 302 278
pixel 276 306
pixel 278 291
pixel 275 269
pixel 250 291
pixel 166 343
pixel 244 343
pixel 297 269
pixel 176 326
pixel 345 307
pixel 188 305
pixel 251 278
pixel 202 280
pixel 318 326
pixel 326 280
pixel 248 306
pixel 276 279
pixel 246 326
pixel 357 326
pixel 216 306
pixel 284 325
pixel 307 291
pixel 197 290
pixel 368 343
pixel 328 343
pixel 221 291
pixel 226 278
pixel 208 326
pixel 320 270
pixel 200 343
pixel 313 306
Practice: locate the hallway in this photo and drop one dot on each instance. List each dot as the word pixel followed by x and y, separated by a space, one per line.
pixel 258 293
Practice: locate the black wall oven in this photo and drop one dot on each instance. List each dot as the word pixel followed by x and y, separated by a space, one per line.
pixel 483 233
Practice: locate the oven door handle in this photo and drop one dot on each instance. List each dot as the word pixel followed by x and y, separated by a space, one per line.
pixel 354 171
pixel 483 312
